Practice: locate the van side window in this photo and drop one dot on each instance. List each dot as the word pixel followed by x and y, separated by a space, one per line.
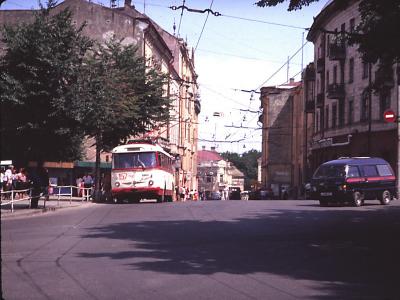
pixel 369 171
pixel 384 170
pixel 353 172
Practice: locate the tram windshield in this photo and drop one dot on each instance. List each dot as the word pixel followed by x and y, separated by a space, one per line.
pixel 134 160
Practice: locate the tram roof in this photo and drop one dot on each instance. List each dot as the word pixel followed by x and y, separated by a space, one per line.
pixel 139 147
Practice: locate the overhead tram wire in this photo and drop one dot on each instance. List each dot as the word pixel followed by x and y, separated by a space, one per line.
pixel 180 20
pixel 277 71
pixel 218 14
pixel 265 22
pixel 204 25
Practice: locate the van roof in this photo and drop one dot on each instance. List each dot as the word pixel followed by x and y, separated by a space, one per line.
pixel 356 161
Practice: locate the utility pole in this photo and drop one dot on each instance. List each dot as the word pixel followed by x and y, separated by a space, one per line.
pixel 369 107
pixel 398 130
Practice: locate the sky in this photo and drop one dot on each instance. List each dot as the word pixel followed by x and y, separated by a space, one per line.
pixel 231 54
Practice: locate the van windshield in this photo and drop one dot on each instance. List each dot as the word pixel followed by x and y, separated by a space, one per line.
pixel 330 171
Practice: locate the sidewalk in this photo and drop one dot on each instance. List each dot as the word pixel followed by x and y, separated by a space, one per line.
pixel 22 208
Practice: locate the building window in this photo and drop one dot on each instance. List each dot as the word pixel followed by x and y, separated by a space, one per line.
pixel 350 116
pixel 327 117
pixel 364 107
pixel 352 25
pixel 351 70
pixel 221 178
pixel 384 102
pixel 327 79
pixel 334 115
pixel 317 121
pixel 365 70
pixel 321 119
pixel 334 74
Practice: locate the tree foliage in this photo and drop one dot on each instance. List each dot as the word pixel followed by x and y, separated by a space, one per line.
pixel 118 96
pixel 246 163
pixel 41 62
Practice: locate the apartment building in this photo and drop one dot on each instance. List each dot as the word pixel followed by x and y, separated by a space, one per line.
pixel 347 115
pixel 161 49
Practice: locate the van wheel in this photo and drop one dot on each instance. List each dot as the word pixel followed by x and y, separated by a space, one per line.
pixel 386 197
pixel 358 199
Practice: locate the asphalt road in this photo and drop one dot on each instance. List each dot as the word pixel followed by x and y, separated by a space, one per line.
pixel 204 250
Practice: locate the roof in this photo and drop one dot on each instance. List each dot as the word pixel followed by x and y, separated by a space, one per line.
pixel 357 160
pixel 235 172
pixel 207 155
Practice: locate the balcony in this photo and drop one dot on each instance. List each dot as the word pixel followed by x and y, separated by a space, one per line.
pixel 337 51
pixel 321 65
pixel 320 100
pixel 384 77
pixel 310 106
pixel 309 74
pixel 336 91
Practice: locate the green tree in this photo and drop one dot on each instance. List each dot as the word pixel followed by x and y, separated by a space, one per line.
pixel 41 62
pixel 380 21
pixel 246 163
pixel 118 97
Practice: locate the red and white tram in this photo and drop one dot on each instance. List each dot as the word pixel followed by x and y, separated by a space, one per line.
pixel 141 170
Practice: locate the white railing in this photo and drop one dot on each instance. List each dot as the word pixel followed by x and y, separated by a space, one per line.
pixel 9 197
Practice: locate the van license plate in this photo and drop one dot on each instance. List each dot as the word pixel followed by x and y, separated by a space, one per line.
pixel 326 194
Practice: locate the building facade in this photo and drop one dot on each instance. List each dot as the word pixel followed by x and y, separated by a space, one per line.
pixel 347 114
pixel 283 139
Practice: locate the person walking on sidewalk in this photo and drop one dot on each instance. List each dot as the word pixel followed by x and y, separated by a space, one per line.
pixel 40 184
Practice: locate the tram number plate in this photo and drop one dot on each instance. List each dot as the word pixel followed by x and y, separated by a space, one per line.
pixel 326 194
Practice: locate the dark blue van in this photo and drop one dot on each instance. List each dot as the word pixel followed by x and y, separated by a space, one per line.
pixel 354 179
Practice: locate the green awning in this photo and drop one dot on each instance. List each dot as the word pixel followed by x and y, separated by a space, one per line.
pixel 91 164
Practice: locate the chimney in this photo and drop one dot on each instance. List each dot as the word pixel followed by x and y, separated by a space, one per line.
pixel 212 148
pixel 203 148
pixel 291 80
pixel 128 3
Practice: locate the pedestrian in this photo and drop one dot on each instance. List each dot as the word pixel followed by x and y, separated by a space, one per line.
pixel 39 179
pixel 87 184
pixel 79 186
pixel 182 193
pixel 22 182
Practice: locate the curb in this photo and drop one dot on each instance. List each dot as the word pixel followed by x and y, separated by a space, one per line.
pixel 32 212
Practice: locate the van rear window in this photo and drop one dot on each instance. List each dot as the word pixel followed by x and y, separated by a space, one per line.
pixel 384 170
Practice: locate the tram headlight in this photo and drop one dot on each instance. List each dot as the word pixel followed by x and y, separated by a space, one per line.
pixel 151 182
pixel 117 184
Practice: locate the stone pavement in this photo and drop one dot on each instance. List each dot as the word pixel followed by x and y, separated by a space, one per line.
pixel 22 208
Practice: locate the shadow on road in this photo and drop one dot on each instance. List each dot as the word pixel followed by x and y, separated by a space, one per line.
pixel 348 252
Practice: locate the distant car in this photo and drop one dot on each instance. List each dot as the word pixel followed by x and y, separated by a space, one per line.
pixel 354 179
pixel 214 196
pixel 234 194
pixel 244 195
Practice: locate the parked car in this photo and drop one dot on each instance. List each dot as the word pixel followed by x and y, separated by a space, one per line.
pixel 354 180
pixel 214 196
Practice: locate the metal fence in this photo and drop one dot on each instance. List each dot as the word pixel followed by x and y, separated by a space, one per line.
pixel 61 192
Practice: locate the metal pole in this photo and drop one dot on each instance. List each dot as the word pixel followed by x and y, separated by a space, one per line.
pixel 12 200
pixel 398 132
pixel 302 50
pixel 369 107
pixel 287 71
pixel 59 191
pixel 70 195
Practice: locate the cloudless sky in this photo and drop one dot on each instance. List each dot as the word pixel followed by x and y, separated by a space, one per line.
pixel 231 54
